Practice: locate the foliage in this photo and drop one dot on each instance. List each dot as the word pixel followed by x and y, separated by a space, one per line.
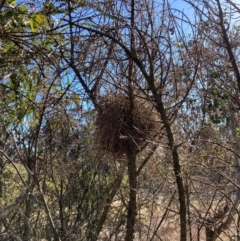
pixel 81 82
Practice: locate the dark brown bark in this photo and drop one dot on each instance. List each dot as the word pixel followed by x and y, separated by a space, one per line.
pixel 27 229
pixel 228 46
pixel 132 206
pixel 132 168
pixel 176 167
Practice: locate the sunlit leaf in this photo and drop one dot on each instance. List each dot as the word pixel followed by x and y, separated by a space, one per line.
pixel 11 2
pixel 76 100
pixel 37 21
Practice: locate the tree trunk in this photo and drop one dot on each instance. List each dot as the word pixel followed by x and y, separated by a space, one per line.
pixel 132 206
pixel 176 167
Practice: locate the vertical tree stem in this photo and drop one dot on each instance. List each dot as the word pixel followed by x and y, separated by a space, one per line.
pixel 177 170
pixel 132 206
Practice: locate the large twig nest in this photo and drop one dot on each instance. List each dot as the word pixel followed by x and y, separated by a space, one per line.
pixel 120 126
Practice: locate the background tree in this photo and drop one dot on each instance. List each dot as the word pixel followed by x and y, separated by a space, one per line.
pixel 120 120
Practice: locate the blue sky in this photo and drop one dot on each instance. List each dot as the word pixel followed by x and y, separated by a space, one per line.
pixel 179 4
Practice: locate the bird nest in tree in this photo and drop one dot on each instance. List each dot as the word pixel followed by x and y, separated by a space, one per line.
pixel 120 127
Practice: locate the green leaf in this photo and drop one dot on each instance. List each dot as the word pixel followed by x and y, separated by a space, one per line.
pixel 33 25
pixel 76 100
pixel 15 82
pixel 214 91
pixel 11 2
pixel 22 9
pixel 216 103
pixel 214 74
pixel 215 119
pixel 37 21
pixel 238 131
